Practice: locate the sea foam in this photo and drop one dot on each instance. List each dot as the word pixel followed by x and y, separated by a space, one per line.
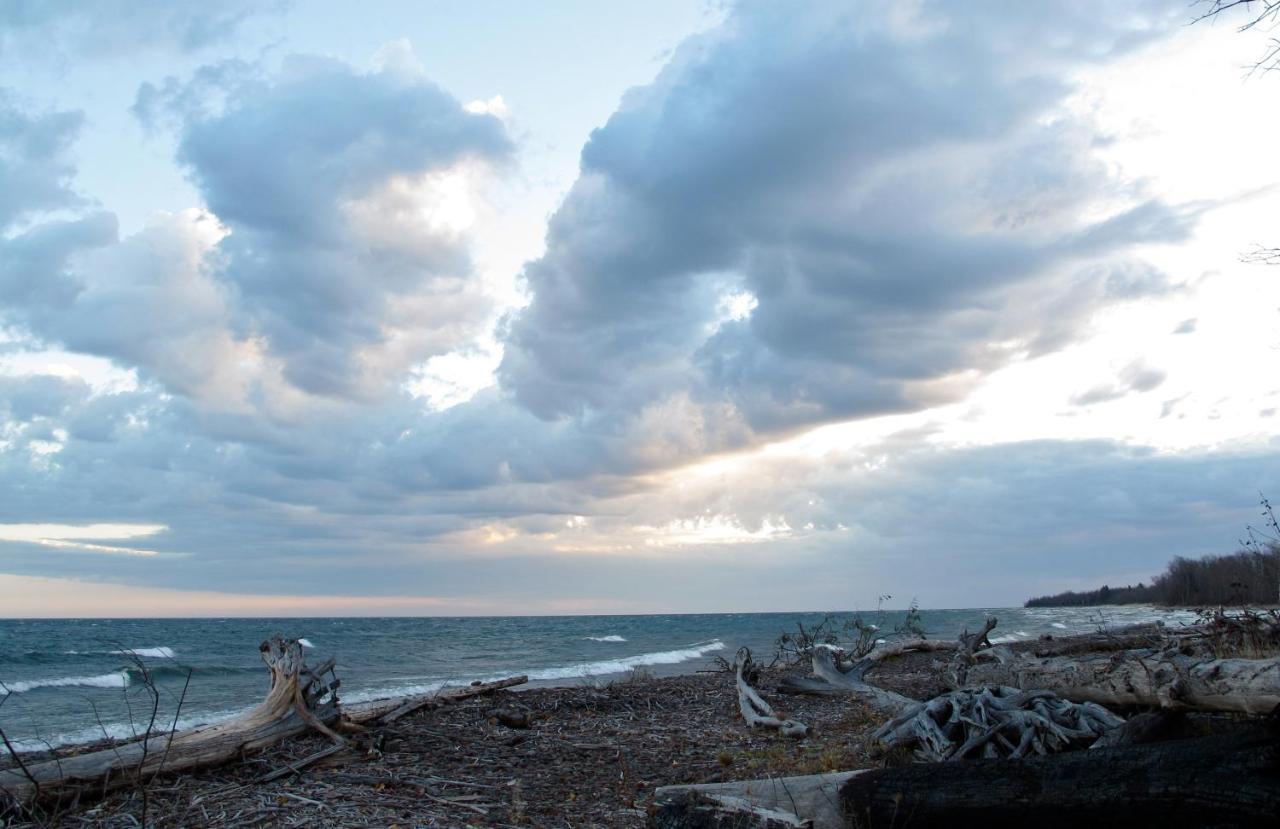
pixel 613 637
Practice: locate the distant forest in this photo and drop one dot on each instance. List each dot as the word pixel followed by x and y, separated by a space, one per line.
pixel 1250 576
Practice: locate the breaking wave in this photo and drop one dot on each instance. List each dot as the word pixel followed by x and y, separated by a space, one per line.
pixel 147 653
pixel 613 637
pixel 116 679
pixel 580 670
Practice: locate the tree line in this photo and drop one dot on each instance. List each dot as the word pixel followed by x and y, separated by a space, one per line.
pixel 1249 576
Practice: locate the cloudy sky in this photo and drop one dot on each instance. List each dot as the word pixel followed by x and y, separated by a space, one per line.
pixel 675 306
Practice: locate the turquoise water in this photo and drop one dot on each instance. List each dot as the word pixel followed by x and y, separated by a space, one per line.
pixel 76 680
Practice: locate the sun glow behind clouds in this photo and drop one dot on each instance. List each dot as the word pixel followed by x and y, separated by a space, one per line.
pixel 715 529
pixel 72 537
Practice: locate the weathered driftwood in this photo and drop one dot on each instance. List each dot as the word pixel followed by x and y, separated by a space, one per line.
pixel 970 644
pixel 996 722
pixel 385 711
pixel 805 800
pixel 1228 780
pixel 301 699
pixel 754 709
pixel 1145 677
pixel 983 721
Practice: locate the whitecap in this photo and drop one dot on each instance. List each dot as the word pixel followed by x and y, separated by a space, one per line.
pixel 577 671
pixel 1059 625
pixel 149 653
pixel 626 663
pixel 119 731
pixel 118 679
pixel 613 637
pixel 305 643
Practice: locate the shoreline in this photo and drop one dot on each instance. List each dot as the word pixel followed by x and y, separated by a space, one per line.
pixel 565 754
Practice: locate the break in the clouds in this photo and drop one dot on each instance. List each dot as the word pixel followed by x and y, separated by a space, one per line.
pixel 809 220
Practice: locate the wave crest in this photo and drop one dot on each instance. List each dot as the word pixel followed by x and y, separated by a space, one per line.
pixel 116 679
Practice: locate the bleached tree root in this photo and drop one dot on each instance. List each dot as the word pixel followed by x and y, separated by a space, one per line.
pixel 996 722
pixel 754 709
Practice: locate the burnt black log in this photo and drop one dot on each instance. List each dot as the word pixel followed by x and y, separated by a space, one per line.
pixel 1219 781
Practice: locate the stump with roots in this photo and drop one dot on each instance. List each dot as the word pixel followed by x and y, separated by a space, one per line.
pixel 300 699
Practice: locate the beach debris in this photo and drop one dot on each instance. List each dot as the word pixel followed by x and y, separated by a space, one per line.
pixel 757 712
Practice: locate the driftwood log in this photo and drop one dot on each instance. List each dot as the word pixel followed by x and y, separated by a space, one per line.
pixel 1126 670
pixel 1226 780
pixel 1144 677
pixel 754 709
pixel 1219 781
pixel 301 699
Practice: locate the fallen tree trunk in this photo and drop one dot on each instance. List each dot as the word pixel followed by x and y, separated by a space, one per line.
pixel 301 699
pixel 1230 780
pixel 1146 677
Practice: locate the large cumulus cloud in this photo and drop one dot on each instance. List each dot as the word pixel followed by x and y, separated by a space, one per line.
pixel 321 176
pixel 905 194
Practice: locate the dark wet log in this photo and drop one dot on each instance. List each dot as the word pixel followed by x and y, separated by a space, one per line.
pixel 1212 781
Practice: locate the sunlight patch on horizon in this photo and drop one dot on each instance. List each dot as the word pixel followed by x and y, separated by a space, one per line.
pixel 73 537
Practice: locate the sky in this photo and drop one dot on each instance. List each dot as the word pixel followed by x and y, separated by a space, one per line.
pixel 312 308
